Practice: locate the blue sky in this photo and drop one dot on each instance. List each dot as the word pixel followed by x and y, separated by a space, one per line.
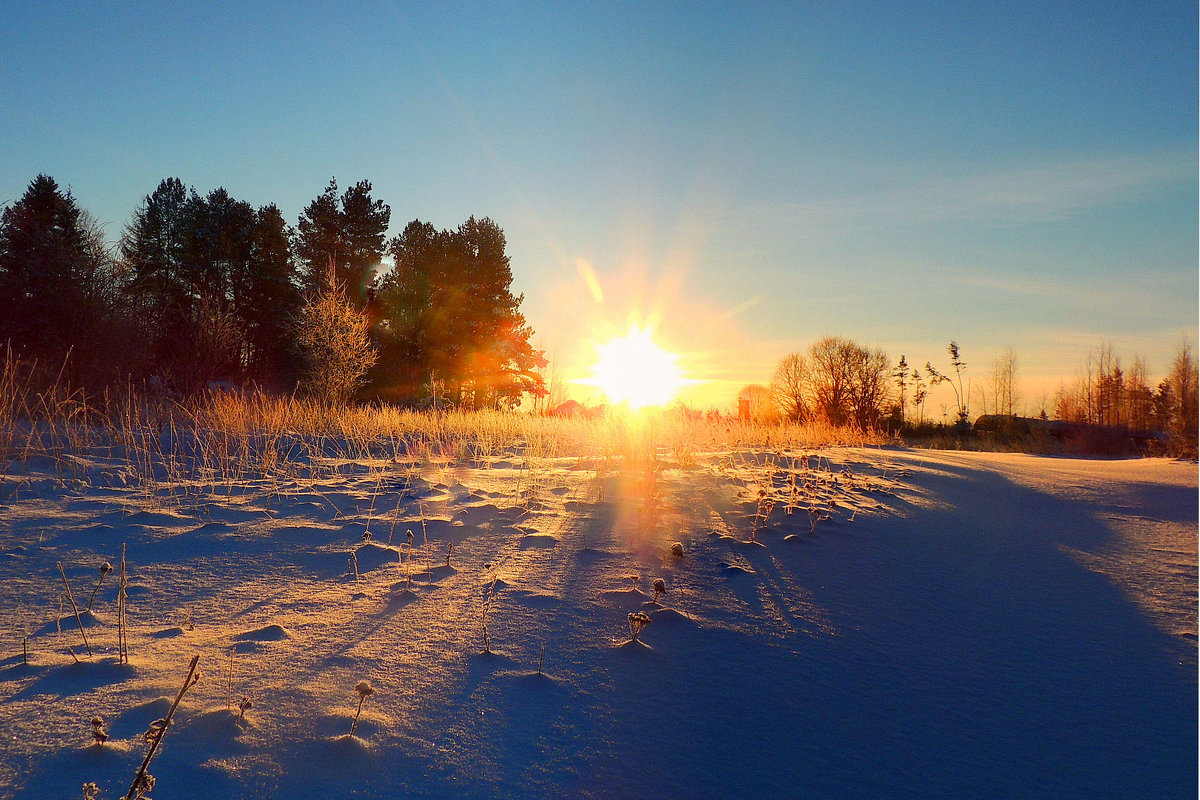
pixel 750 177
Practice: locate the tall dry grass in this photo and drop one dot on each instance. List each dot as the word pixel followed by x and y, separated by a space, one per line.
pixel 201 445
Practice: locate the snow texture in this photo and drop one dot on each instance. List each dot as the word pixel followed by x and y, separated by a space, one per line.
pixel 844 623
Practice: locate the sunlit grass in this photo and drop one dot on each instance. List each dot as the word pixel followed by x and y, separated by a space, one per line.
pixel 213 441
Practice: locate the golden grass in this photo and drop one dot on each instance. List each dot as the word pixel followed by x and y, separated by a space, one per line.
pixel 218 439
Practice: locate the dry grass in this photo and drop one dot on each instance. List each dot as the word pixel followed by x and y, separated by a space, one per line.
pixel 214 441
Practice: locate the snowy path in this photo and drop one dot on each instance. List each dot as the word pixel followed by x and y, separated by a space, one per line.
pixel 962 625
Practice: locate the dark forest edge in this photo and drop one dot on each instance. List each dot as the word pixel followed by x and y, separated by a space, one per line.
pixel 205 289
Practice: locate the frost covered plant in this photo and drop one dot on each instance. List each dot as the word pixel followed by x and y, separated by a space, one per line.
pixel 637 621
pixel 105 568
pixel 143 781
pixel 364 690
pixel 660 588
pixel 99 734
pixel 766 504
pixel 244 706
pixel 142 785
pixel 677 550
pixel 90 791
pixel 487 606
pixel 487 603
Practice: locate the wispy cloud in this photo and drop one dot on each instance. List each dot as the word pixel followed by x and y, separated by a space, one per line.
pixel 1045 191
pixel 1145 290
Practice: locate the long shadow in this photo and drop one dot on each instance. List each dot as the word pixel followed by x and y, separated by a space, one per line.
pixel 989 661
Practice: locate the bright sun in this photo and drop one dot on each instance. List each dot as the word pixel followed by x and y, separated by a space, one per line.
pixel 634 370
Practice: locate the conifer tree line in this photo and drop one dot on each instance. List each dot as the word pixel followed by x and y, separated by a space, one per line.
pixel 205 288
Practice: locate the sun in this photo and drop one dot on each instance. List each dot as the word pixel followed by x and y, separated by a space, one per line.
pixel 634 371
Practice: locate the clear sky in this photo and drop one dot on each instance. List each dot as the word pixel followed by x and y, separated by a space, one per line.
pixel 748 177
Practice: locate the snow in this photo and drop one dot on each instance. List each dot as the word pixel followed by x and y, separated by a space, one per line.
pixel 841 623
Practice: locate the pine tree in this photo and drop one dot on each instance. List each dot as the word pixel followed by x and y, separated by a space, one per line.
pixel 450 317
pixel 55 276
pixel 351 231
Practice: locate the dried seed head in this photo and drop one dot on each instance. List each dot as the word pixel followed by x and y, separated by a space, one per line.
pixel 99 735
pixel 105 568
pixel 155 731
pixel 144 784
pixel 364 689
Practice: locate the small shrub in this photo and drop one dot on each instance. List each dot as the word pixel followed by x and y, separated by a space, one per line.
pixel 637 621
pixel 99 734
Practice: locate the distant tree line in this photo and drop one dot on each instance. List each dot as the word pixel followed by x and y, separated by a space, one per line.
pixel 839 382
pixel 204 288
pixel 1106 393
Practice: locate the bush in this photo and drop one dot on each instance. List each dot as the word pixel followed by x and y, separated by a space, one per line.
pixel 334 341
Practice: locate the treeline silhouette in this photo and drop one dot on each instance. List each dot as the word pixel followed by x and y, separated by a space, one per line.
pixel 1108 407
pixel 207 288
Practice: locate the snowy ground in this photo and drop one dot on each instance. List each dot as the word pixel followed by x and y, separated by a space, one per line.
pixel 951 625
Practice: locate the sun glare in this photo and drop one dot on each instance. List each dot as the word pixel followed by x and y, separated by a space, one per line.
pixel 633 370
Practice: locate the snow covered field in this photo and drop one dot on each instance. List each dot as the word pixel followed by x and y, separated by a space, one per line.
pixel 842 623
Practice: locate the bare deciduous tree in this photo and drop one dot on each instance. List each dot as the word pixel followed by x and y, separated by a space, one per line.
pixel 1001 385
pixel 840 381
pixel 788 387
pixel 831 369
pixel 1184 381
pixel 868 386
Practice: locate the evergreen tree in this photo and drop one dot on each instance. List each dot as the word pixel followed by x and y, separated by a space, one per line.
pixel 449 316
pixel 268 298
pixel 55 276
pixel 216 283
pixel 351 231
pixel 153 250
